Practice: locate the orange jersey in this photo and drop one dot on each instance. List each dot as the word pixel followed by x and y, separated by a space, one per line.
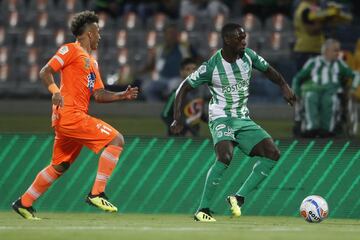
pixel 80 77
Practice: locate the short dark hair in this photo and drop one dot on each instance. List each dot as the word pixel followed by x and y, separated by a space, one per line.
pixel 187 61
pixel 228 29
pixel 81 20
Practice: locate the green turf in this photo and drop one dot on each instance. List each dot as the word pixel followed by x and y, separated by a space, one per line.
pixel 104 226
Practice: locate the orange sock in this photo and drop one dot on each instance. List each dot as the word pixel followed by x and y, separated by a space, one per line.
pixel 41 183
pixel 107 163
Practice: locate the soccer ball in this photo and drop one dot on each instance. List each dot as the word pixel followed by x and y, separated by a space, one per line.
pixel 314 209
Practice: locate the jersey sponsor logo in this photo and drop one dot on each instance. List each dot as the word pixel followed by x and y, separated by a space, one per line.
pixel 229 132
pixel 91 81
pixel 240 86
pixel 262 60
pixel 87 63
pixel 195 75
pixel 63 50
pixel 202 69
pixel 220 126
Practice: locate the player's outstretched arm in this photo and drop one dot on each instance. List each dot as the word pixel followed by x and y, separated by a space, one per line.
pixel 46 76
pixel 181 92
pixel 104 96
pixel 278 79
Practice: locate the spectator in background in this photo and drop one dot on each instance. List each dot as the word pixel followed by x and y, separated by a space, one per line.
pixel 164 65
pixel 317 86
pixel 309 33
pixel 310 21
pixel 194 106
pixel 203 9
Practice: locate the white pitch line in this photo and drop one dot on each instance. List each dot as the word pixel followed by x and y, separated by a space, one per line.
pixel 170 229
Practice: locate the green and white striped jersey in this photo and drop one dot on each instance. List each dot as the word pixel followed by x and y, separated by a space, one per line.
pixel 319 73
pixel 228 83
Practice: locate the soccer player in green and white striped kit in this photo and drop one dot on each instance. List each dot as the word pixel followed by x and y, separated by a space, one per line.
pixel 227 74
pixel 317 84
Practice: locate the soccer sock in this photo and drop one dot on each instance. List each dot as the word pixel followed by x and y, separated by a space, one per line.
pixel 213 179
pixel 107 163
pixel 41 183
pixel 260 170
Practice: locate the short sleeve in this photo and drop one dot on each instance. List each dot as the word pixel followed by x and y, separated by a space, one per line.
pixel 61 58
pixel 258 62
pixel 201 76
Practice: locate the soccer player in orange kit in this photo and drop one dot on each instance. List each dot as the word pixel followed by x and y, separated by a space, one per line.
pixel 74 128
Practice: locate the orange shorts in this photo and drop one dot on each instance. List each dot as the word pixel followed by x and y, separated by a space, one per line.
pixel 83 130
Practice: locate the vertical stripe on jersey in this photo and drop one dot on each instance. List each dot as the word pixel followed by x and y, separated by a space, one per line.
pixel 239 78
pixel 335 72
pixel 319 73
pixel 325 73
pixel 217 108
pixel 214 95
pixel 224 82
pixel 314 71
pixel 235 100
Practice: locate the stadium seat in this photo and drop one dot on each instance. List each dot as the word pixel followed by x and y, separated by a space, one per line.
pixel 278 22
pixel 130 22
pixel 251 23
pixel 3 36
pixel 4 53
pixel 218 22
pixel 8 82
pixel 12 6
pixel 254 40
pixel 69 6
pixel 190 23
pixel 122 56
pixel 275 46
pixel 157 22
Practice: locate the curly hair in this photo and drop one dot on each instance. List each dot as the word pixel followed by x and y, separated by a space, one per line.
pixel 81 20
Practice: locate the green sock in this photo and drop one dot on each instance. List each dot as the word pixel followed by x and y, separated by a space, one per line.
pixel 260 171
pixel 213 179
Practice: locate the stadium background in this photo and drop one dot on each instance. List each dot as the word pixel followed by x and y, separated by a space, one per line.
pixel 30 32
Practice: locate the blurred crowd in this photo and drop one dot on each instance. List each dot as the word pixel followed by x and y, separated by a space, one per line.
pixel 144 42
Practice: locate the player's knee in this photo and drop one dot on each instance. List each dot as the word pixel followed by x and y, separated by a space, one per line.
pixel 273 154
pixel 225 158
pixel 118 140
pixel 62 167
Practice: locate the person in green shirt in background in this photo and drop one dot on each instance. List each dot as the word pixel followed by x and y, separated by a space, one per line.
pixel 318 85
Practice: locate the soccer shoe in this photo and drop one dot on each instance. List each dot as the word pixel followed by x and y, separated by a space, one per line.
pixel 25 212
pixel 101 201
pixel 235 203
pixel 204 215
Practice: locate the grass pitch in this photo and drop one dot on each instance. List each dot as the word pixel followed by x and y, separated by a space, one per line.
pixel 85 226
